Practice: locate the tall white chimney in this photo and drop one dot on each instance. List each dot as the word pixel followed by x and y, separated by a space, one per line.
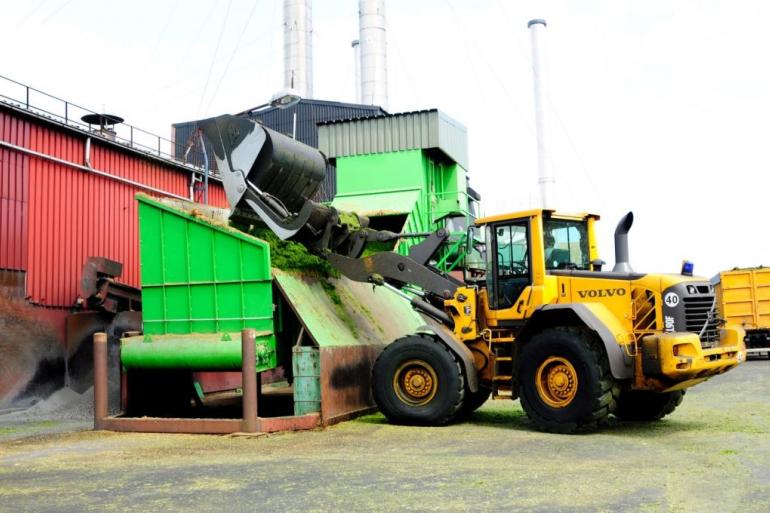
pixel 298 47
pixel 546 179
pixel 357 67
pixel 374 66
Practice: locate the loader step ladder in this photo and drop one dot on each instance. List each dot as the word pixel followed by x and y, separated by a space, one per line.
pixel 501 345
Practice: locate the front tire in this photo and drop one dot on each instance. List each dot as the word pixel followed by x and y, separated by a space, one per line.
pixel 417 380
pixel 645 406
pixel 565 382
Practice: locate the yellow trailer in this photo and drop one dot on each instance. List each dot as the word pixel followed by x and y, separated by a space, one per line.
pixel 743 297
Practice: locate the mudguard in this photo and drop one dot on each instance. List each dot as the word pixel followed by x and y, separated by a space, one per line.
pixel 595 317
pixel 464 355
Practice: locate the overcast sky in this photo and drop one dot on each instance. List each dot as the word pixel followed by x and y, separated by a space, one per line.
pixel 659 107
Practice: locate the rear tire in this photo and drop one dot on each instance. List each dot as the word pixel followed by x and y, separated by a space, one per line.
pixel 565 384
pixel 645 406
pixel 417 380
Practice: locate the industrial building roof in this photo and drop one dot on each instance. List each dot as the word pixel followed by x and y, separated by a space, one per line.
pixel 424 129
pixel 309 113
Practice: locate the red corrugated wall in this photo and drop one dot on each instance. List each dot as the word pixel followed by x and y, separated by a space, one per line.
pixel 14 193
pixel 72 214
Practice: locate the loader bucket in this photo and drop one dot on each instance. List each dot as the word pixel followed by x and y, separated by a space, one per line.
pixel 260 168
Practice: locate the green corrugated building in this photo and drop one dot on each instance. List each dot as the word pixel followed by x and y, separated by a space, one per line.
pixel 408 172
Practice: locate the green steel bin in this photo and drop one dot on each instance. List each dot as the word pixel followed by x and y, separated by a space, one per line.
pixel 198 276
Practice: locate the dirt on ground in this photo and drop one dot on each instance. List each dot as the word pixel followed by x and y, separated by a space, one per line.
pixel 34 367
pixel 712 454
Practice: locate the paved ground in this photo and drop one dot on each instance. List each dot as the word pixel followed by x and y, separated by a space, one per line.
pixel 713 454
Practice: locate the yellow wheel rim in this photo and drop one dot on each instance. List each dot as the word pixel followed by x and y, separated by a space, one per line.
pixel 557 382
pixel 415 383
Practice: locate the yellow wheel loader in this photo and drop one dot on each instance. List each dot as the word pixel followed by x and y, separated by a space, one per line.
pixel 539 320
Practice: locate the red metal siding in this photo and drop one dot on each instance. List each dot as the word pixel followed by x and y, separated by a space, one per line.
pixel 14 192
pixel 217 196
pixel 72 214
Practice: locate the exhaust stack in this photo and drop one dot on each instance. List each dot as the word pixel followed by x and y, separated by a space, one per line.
pixel 374 66
pixel 298 47
pixel 622 264
pixel 357 67
pixel 546 179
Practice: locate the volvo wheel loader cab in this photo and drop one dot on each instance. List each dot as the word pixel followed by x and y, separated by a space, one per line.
pixel 539 320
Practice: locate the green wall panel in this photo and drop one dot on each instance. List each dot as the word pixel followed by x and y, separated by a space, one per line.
pixel 200 277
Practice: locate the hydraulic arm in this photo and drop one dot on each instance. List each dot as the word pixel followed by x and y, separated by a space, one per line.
pixel 273 176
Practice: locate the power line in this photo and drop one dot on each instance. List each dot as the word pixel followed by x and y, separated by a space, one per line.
pixel 232 54
pixel 55 12
pixel 163 31
pixel 180 63
pixel 493 72
pixel 214 57
pixel 31 13
pixel 552 104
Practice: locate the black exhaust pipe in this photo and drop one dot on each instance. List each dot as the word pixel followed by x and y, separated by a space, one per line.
pixel 622 264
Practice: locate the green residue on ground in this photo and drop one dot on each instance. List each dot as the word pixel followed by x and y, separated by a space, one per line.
pixel 26 427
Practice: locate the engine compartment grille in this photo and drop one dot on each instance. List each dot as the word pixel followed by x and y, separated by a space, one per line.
pixel 700 311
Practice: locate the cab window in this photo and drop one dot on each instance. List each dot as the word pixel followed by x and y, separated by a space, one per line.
pixel 565 244
pixel 509 253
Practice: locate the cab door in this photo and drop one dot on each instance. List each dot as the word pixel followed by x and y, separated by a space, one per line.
pixel 508 268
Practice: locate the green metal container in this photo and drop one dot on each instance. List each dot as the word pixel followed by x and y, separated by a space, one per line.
pixel 199 276
pixel 196 352
pixel 306 366
pixel 414 184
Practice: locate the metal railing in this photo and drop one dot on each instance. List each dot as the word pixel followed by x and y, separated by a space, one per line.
pixel 56 109
pixel 436 212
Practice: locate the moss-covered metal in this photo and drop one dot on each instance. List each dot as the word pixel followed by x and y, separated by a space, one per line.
pixel 340 312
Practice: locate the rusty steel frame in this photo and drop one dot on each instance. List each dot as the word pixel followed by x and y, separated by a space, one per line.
pixel 250 423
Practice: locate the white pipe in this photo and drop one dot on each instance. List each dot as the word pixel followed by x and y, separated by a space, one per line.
pixel 192 188
pixel 89 170
pixel 374 65
pixel 87 156
pixel 357 67
pixel 205 170
pixel 546 179
pixel 298 46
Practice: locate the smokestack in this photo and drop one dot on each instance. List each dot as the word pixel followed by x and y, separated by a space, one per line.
pixel 357 67
pixel 546 180
pixel 374 66
pixel 298 47
pixel 622 264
